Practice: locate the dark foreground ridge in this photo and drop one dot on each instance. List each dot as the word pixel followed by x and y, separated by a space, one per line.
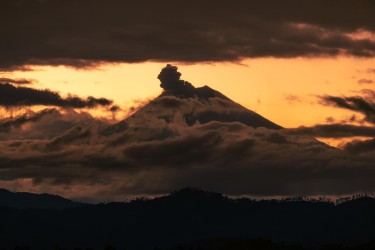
pixel 186 216
pixel 29 200
pixel 261 244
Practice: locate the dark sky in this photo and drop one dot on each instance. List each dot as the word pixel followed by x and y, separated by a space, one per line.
pixel 83 33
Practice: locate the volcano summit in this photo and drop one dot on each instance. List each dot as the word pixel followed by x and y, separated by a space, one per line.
pixel 183 103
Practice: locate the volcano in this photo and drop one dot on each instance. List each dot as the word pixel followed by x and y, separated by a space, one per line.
pixel 186 137
pixel 186 105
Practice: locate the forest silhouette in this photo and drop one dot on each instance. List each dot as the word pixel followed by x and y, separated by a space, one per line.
pixel 190 215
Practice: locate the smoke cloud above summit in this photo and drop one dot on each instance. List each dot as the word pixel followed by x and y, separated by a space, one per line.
pixel 170 80
pixel 84 34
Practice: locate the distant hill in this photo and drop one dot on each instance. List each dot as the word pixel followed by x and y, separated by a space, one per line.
pixel 30 200
pixel 189 215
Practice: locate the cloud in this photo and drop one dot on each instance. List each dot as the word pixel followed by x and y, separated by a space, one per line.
pixel 18 81
pixel 226 157
pixel 361 104
pixel 114 108
pixel 9 67
pixel 170 81
pixel 7 124
pixel 364 105
pixel 330 119
pixel 13 96
pixel 360 146
pixel 333 131
pixel 84 35
pixel 154 155
pixel 292 99
pixel 365 81
pixel 370 70
pixel 45 124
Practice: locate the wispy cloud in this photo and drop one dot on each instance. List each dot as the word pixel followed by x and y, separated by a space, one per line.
pixel 17 81
pixel 365 81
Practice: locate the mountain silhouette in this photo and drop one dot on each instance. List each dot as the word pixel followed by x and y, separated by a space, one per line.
pixel 190 215
pixel 29 200
pixel 187 105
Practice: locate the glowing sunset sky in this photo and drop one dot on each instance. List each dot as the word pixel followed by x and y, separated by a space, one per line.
pixel 284 90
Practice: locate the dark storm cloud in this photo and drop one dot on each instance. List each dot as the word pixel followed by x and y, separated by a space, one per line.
pixel 363 105
pixel 18 81
pixel 12 96
pixel 86 33
pixel 333 131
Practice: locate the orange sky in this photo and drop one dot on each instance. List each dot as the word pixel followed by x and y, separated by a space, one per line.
pixel 283 90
